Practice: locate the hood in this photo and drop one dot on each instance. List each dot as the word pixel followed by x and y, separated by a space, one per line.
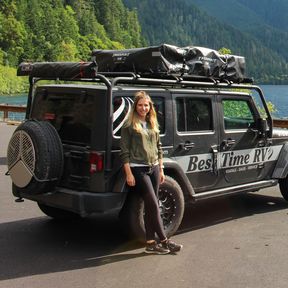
pixel 280 132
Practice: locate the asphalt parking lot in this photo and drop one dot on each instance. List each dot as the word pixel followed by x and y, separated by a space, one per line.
pixel 231 242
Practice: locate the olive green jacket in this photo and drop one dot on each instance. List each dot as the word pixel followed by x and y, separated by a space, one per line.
pixel 140 147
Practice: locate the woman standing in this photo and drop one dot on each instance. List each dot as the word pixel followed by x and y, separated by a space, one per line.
pixel 141 154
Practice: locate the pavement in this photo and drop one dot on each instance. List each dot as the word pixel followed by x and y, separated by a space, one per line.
pixel 232 242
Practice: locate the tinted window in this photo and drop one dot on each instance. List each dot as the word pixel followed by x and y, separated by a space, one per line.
pixel 193 114
pixel 237 114
pixel 70 113
pixel 122 106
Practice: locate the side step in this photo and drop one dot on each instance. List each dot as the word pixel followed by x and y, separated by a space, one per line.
pixel 249 187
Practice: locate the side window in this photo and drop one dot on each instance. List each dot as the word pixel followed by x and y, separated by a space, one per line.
pixel 237 114
pixel 123 105
pixel 194 114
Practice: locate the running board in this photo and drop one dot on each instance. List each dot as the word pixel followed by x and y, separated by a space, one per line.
pixel 249 187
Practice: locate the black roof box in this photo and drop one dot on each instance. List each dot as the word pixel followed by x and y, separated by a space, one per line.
pixel 163 60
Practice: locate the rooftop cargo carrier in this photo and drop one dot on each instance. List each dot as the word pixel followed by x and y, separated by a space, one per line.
pixel 163 60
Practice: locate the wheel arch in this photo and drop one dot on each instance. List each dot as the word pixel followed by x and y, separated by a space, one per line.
pixel 281 167
pixel 173 170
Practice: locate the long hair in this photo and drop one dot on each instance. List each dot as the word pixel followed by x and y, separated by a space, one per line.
pixel 151 117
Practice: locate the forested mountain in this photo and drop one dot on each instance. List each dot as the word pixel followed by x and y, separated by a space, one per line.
pixel 190 22
pixel 264 20
pixel 60 30
pixel 64 30
pixel 67 30
pixel 273 12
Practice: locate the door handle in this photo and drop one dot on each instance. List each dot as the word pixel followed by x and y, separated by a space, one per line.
pixel 187 146
pixel 215 159
pixel 228 143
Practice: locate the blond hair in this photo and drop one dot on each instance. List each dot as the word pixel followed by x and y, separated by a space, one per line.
pixel 151 117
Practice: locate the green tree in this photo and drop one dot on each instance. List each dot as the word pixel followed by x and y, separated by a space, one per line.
pixel 121 24
pixel 225 51
pixel 12 33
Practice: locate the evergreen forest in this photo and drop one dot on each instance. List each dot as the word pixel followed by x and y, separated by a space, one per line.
pixel 61 30
pixel 68 30
pixel 212 24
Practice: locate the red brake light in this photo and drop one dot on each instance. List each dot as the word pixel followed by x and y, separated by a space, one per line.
pixel 49 116
pixel 96 162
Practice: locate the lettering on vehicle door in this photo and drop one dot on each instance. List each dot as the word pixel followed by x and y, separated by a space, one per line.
pixel 233 161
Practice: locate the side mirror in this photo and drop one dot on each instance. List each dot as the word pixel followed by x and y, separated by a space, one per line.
pixel 262 127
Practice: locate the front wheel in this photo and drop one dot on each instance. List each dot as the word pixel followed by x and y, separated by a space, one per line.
pixel 171 205
pixel 283 185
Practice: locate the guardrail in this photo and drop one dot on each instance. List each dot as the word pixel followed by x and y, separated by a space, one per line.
pixel 12 113
pixel 283 123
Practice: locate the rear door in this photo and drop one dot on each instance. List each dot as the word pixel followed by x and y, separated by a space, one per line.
pixel 122 105
pixel 78 114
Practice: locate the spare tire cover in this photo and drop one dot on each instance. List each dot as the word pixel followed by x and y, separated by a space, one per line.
pixel 35 157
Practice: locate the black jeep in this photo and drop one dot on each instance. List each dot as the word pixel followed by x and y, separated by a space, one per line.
pixel 217 139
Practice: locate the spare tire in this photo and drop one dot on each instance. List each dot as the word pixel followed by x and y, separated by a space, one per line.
pixel 35 157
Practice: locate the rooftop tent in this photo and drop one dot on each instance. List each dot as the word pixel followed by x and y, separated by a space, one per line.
pixel 145 61
pixel 168 59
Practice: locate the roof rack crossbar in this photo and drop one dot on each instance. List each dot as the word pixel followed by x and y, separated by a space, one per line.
pixel 160 81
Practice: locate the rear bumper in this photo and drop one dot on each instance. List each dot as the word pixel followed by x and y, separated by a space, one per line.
pixel 81 202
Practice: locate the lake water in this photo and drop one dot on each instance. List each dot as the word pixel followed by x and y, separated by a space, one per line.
pixel 277 94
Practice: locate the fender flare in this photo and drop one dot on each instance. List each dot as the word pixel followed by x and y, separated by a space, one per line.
pixel 120 185
pixel 281 168
pixel 173 170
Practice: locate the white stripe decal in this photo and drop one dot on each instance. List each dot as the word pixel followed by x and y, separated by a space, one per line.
pixel 228 159
pixel 117 114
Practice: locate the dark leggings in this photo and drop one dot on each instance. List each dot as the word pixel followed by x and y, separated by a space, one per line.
pixel 147 181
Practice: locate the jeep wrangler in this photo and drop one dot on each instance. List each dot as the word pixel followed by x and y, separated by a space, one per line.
pixel 217 137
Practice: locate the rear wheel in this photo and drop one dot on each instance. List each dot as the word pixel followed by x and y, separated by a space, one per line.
pixel 171 204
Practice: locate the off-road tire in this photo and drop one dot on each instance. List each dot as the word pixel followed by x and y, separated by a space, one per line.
pixel 46 161
pixel 171 203
pixel 283 185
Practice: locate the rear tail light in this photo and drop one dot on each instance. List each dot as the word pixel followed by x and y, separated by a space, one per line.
pixel 49 116
pixel 96 162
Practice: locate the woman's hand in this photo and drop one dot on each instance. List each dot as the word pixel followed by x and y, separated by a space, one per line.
pixel 130 179
pixel 162 176
pixel 129 175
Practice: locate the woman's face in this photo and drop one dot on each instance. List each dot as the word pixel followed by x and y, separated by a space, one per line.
pixel 143 108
